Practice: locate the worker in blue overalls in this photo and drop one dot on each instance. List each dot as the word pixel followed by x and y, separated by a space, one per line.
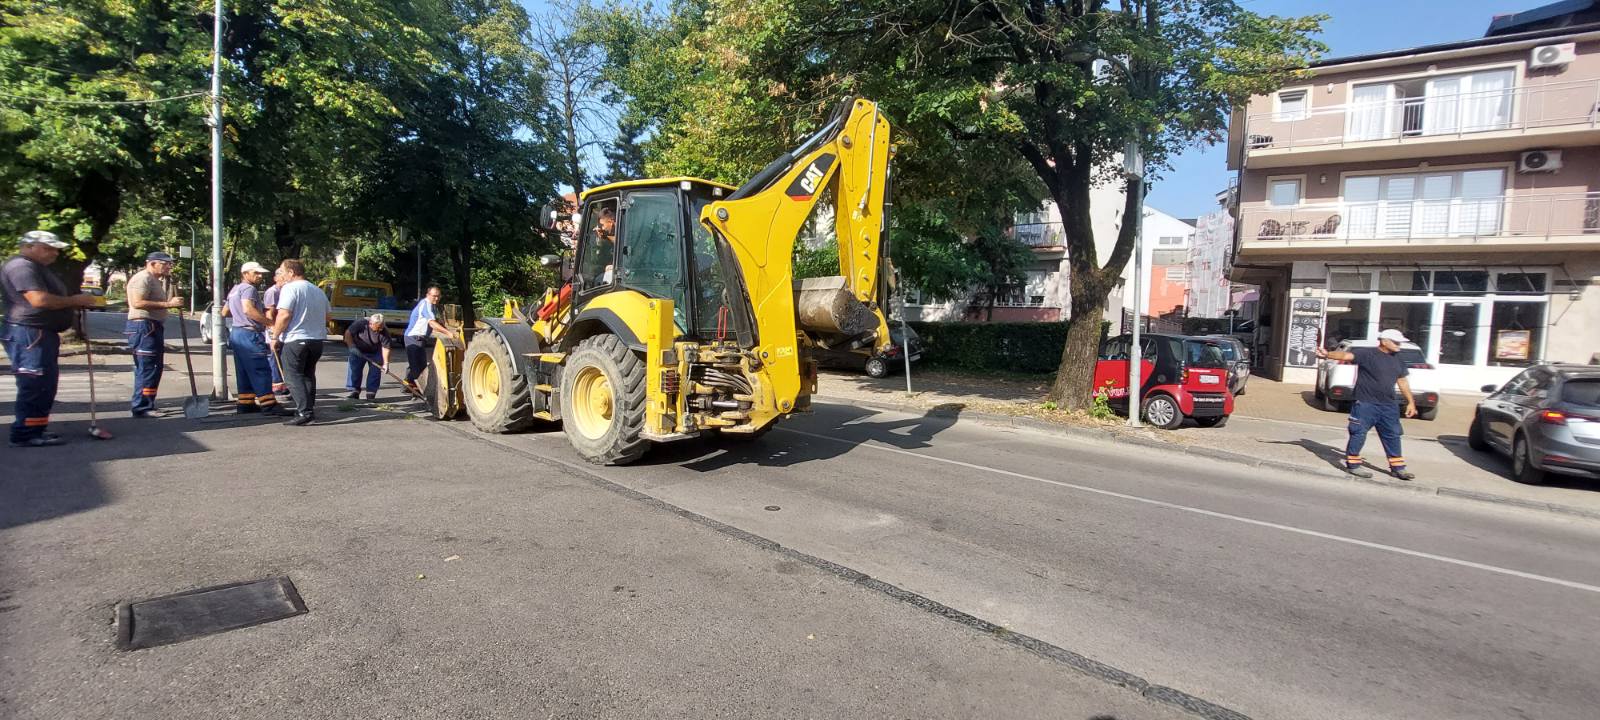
pixel 148 303
pixel 37 309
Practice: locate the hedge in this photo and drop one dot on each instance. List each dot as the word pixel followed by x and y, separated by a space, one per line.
pixel 1023 347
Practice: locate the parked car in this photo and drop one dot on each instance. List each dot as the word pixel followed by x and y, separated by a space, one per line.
pixel 1547 419
pixel 878 365
pixel 205 326
pixel 1336 380
pixel 1237 354
pixel 1182 377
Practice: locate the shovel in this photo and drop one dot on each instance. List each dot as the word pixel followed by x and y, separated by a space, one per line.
pixel 95 431
pixel 195 407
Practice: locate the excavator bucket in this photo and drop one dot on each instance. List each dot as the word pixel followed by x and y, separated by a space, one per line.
pixel 824 305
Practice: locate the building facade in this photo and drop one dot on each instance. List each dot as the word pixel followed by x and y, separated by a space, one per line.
pixel 1450 191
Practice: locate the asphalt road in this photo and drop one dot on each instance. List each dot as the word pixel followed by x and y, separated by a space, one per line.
pixel 716 580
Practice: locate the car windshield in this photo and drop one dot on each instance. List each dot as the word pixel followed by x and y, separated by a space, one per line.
pixel 1229 352
pixel 1581 392
pixel 1200 353
pixel 1412 356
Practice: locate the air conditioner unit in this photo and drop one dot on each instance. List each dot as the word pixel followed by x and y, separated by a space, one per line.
pixel 1546 56
pixel 1539 161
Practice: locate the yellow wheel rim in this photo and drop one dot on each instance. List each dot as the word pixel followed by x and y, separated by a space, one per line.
pixel 592 402
pixel 485 384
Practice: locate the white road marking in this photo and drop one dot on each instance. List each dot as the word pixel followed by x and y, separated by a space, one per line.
pixel 1224 516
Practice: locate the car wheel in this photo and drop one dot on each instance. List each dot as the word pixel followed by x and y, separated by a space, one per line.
pixel 877 368
pixel 1316 392
pixel 1475 439
pixel 1161 410
pixel 1211 422
pixel 1522 468
pixel 1428 413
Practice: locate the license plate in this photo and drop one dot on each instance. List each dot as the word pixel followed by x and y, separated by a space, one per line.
pixel 916 356
pixel 1210 380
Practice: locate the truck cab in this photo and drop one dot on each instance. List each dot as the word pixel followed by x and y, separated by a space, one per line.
pixel 352 300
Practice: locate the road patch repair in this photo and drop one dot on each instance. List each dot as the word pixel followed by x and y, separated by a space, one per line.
pixel 207 611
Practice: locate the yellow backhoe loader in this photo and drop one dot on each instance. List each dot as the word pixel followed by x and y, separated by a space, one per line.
pixel 682 316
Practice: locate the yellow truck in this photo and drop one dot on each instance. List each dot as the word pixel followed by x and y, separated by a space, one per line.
pixel 682 317
pixel 351 300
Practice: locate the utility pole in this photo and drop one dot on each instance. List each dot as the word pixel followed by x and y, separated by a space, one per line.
pixel 219 379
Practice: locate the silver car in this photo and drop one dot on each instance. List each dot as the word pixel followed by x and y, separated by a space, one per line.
pixel 1238 357
pixel 1547 419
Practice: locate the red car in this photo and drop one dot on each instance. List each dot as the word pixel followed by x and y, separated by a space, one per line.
pixel 1183 377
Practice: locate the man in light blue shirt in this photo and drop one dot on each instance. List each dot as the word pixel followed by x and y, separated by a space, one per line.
pixel 423 323
pixel 300 326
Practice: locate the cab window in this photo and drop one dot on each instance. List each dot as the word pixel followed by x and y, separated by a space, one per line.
pixel 711 289
pixel 652 259
pixel 597 246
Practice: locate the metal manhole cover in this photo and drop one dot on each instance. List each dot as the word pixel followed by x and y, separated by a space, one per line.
pixel 195 613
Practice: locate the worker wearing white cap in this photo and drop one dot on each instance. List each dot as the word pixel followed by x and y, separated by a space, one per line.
pixel 248 322
pixel 1379 371
pixel 38 309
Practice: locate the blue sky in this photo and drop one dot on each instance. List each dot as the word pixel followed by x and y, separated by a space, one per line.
pixel 1354 28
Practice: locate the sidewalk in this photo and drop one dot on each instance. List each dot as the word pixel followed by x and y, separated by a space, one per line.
pixel 1274 424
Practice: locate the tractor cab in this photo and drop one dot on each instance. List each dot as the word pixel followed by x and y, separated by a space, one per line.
pixel 646 236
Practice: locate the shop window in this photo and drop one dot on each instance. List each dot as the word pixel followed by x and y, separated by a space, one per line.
pixel 1457 282
pixel 1413 319
pixel 1519 282
pixel 1346 320
pixel 1516 332
pixel 1404 282
pixel 1458 333
pixel 1350 281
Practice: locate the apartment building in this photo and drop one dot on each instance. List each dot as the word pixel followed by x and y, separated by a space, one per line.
pixel 1451 191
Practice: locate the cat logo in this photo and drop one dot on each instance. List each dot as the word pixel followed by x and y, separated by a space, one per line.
pixel 806 186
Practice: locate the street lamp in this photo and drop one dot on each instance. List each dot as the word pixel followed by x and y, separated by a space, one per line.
pixel 218 371
pixel 192 293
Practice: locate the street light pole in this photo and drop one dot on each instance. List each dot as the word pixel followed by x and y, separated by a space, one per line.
pixel 217 372
pixel 192 258
pixel 1136 353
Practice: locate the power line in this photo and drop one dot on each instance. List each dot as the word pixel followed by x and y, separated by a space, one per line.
pixel 104 103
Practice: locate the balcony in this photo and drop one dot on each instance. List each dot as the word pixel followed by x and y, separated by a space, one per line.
pixel 1514 222
pixel 1040 235
pixel 1429 125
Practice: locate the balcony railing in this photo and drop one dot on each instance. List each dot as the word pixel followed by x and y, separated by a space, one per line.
pixel 1431 117
pixel 1467 219
pixel 1051 234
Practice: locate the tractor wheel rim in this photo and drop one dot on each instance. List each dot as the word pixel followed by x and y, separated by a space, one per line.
pixel 1160 412
pixel 594 402
pixel 485 375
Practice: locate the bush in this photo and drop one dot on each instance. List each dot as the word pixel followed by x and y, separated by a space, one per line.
pixel 1024 347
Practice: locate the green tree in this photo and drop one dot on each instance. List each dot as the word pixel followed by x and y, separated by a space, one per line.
pixel 997 103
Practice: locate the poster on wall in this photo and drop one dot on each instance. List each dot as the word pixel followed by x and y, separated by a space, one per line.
pixel 1513 345
pixel 1305 331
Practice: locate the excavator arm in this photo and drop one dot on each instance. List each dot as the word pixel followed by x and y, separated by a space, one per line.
pixel 757 227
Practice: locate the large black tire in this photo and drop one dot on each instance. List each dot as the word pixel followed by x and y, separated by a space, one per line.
pixel 435 392
pixel 1167 415
pixel 603 376
pixel 1475 438
pixel 1522 469
pixel 496 401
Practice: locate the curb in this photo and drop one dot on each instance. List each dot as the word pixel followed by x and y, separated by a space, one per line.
pixel 1222 455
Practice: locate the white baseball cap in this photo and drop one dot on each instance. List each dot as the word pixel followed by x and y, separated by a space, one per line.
pixel 42 237
pixel 252 266
pixel 1393 335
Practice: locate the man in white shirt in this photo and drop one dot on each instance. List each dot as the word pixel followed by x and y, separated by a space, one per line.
pixel 300 326
pixel 423 323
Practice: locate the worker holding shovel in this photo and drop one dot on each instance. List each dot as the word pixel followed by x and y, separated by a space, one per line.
pixel 38 308
pixel 148 302
pixel 252 371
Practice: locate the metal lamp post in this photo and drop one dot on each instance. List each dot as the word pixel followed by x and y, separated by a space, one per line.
pixel 190 225
pixel 218 373
pixel 1133 169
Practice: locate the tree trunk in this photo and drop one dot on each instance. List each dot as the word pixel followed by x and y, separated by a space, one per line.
pixel 1074 382
pixel 461 264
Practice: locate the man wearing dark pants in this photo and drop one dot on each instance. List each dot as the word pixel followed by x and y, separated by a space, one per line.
pixel 423 323
pixel 368 343
pixel 148 303
pixel 246 336
pixel 300 327
pixel 37 308
pixel 1379 371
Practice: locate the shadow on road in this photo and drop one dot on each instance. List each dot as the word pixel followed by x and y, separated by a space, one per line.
pixel 1333 456
pixel 1500 465
pixel 849 424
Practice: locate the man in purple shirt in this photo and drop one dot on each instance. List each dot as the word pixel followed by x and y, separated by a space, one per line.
pixel 270 300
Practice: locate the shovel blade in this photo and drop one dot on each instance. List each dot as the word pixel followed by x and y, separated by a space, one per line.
pixel 196 407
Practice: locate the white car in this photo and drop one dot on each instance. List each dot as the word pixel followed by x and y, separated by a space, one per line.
pixel 1336 381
